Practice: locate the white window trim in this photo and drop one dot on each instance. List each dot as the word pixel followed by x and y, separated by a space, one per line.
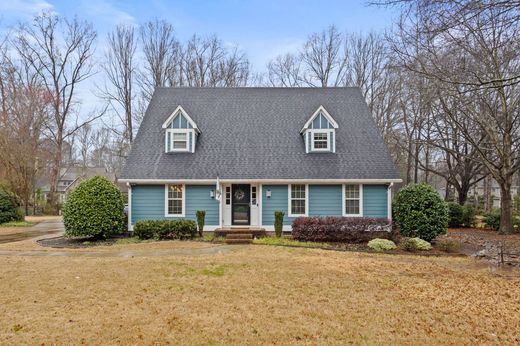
pixel 343 199
pixel 187 131
pixel 289 209
pixel 320 131
pixel 166 214
pixel 180 110
pixel 327 116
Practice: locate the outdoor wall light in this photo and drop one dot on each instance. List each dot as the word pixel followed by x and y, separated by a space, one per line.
pixel 212 193
pixel 268 193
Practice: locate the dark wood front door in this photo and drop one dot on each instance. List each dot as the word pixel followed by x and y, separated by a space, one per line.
pixel 241 206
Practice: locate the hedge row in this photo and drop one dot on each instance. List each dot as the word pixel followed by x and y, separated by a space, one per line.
pixel 165 229
pixel 340 229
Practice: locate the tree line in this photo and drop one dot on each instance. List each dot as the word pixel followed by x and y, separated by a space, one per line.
pixel 442 85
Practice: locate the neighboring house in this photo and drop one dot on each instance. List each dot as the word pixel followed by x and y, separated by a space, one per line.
pixel 70 177
pixel 240 154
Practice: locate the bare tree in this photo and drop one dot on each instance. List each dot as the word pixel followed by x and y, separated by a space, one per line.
pixel 24 113
pixel 470 53
pixel 60 52
pixel 162 57
pixel 285 71
pixel 120 69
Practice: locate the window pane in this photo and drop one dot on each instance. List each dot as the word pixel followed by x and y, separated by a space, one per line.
pixel 298 206
pixel 321 141
pixel 175 206
pixel 177 136
pixel 175 191
pixel 179 145
pixel 351 191
pixel 352 207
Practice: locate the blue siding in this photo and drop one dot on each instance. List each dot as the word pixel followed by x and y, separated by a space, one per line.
pixel 325 200
pixel 278 201
pixel 375 201
pixel 148 202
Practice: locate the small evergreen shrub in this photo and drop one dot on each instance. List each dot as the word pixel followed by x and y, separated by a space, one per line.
pixel 278 222
pixel 381 244
pixel 201 220
pixel 414 244
pixel 469 214
pixel 165 229
pixel 447 245
pixel 456 214
pixel 9 206
pixel 420 212
pixel 94 208
pixel 340 229
pixel 492 219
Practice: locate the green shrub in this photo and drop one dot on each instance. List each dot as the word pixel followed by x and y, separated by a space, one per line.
pixel 456 214
pixel 492 219
pixel 414 244
pixel 94 208
pixel 165 229
pixel 278 222
pixel 381 244
pixel 201 220
pixel 420 212
pixel 9 206
pixel 447 245
pixel 469 214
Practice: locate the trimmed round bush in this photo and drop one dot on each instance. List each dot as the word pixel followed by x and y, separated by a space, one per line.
pixel 379 244
pixel 94 208
pixel 447 245
pixel 9 210
pixel 420 212
pixel 456 214
pixel 414 244
pixel 492 219
pixel 469 214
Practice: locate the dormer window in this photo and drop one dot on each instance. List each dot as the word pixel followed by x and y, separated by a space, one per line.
pixel 320 141
pixel 319 133
pixel 181 132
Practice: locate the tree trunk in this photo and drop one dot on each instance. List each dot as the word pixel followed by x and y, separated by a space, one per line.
pixel 463 193
pixel 55 175
pixel 506 213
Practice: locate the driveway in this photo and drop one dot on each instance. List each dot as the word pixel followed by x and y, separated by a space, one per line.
pixel 38 230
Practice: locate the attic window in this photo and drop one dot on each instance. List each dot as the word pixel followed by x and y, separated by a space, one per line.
pixel 319 132
pixel 180 132
pixel 320 141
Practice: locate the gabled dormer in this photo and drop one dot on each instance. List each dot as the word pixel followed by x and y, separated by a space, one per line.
pixel 319 132
pixel 180 132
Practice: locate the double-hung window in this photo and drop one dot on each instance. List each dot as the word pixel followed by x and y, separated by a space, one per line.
pixel 175 200
pixel 320 141
pixel 297 200
pixel 352 195
pixel 179 141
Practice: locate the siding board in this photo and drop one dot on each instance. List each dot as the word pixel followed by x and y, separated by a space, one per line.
pixel 375 201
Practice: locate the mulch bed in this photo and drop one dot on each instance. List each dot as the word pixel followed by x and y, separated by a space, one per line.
pixel 75 243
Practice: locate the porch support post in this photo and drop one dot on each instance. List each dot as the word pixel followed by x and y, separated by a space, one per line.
pixel 129 206
pixel 389 201
pixel 260 199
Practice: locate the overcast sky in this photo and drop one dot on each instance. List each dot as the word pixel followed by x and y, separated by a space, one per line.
pixel 261 28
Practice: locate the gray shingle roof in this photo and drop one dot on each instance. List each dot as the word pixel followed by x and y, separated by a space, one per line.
pixel 254 133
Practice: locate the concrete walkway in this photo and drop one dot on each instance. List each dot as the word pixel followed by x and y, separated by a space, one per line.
pixel 41 229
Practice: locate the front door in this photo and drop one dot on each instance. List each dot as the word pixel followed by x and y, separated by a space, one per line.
pixel 240 208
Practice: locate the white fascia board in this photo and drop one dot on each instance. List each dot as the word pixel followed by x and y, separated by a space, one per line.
pixel 263 181
pixel 179 108
pixel 322 110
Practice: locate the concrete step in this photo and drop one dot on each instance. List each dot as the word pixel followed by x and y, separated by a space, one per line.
pixel 239 236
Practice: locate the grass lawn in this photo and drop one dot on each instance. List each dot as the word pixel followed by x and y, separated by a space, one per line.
pixel 256 295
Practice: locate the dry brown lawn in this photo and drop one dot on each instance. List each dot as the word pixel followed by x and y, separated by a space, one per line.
pixel 256 295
